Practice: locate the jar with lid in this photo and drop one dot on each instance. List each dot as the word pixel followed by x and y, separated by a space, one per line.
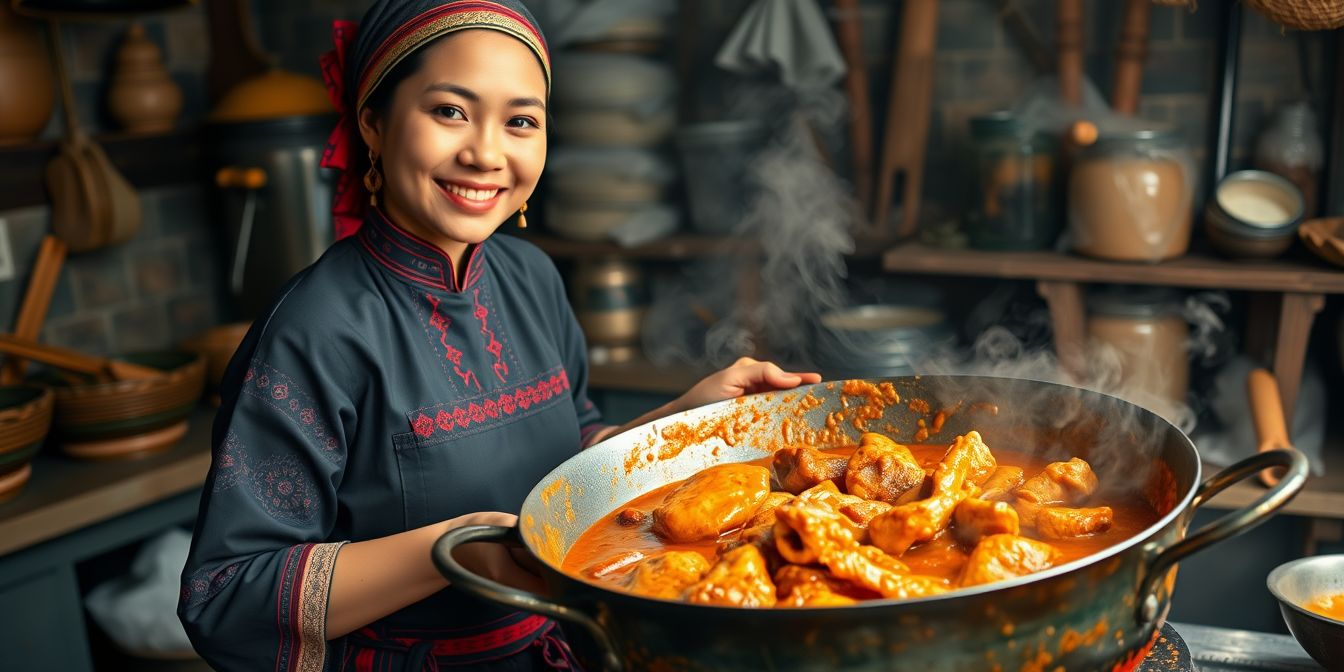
pixel 1130 196
pixel 1291 147
pixel 1142 333
pixel 1014 208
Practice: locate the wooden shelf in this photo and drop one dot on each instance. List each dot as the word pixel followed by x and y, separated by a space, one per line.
pixel 147 161
pixel 1322 497
pixel 66 494
pixel 1277 275
pixel 678 247
pixel 643 376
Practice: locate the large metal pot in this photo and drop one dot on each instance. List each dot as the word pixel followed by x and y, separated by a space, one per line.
pixel 1096 613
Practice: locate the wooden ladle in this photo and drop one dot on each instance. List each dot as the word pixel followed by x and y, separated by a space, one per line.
pixel 1267 414
pixel 102 368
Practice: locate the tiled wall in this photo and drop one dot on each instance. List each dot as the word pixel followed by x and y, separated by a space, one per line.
pixel 163 285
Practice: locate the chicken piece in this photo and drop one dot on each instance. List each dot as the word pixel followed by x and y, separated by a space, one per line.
pixel 799 586
pixel 863 512
pixel 1000 484
pixel 883 470
pixel 711 502
pixel 797 469
pixel 967 461
pixel 804 531
pixel 760 536
pixel 908 524
pixel 666 575
pixel 765 513
pixel 1068 483
pixel 1004 556
pixel 631 517
pixel 1058 522
pixel 739 579
pixel 976 518
pixel 857 510
pixel 824 537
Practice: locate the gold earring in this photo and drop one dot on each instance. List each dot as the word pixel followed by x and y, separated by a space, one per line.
pixel 522 216
pixel 373 180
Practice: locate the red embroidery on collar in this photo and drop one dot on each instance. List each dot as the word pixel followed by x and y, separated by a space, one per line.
pixel 493 346
pixel 413 258
pixel 439 322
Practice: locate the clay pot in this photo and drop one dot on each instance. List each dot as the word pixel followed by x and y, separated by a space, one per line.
pixel 143 97
pixel 26 92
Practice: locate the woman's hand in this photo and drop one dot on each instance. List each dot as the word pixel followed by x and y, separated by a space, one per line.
pixel 509 565
pixel 745 376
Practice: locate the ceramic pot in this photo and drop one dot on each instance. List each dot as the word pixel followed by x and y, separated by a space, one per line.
pixel 26 92
pixel 143 97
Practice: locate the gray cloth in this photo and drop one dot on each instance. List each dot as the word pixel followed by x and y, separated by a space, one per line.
pixel 787 38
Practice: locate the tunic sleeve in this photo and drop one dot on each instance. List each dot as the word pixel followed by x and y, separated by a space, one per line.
pixel 255 586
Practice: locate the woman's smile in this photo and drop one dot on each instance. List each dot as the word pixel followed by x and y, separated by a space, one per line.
pixel 470 197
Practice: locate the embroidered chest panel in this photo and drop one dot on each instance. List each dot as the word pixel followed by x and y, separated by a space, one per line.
pixel 472 415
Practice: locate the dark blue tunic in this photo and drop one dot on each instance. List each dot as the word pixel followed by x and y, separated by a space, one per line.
pixel 377 396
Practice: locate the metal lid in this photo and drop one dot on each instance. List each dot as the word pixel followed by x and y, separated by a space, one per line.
pixel 1120 139
pixel 1130 301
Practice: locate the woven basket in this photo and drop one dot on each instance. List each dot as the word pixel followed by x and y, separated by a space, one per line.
pixel 1302 14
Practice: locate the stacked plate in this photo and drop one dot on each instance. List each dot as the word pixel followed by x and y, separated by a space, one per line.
pixel 25 417
pixel 130 418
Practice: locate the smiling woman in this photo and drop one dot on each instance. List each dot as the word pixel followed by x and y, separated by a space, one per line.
pixel 420 377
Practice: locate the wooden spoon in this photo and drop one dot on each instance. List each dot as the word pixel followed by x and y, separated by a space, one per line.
pixel 71 360
pixel 1267 414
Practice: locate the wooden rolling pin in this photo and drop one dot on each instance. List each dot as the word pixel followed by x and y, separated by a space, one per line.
pixel 71 360
pixel 1267 414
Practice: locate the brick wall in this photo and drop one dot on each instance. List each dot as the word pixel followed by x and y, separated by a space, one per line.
pixel 163 285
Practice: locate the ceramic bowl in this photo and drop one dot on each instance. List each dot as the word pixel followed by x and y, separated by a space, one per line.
pixel 93 413
pixel 1254 214
pixel 1325 238
pixel 216 346
pixel 1298 582
pixel 25 418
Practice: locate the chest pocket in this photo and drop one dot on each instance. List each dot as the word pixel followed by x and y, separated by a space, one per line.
pixel 485 453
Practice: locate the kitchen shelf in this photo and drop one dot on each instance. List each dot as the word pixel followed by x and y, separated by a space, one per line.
pixel 677 247
pixel 66 494
pixel 1322 497
pixel 146 160
pixel 1191 271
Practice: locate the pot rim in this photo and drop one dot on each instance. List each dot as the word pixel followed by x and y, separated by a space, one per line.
pixel 1179 509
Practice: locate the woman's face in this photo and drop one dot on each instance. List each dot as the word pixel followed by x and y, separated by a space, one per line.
pixel 462 143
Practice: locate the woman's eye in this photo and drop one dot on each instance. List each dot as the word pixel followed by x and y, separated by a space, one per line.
pixel 523 122
pixel 449 113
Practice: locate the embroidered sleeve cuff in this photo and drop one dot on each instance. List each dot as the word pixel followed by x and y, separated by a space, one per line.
pixel 303 610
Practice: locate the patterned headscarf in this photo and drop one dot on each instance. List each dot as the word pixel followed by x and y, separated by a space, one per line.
pixel 366 52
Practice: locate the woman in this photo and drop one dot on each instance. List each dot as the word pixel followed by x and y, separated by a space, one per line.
pixel 421 376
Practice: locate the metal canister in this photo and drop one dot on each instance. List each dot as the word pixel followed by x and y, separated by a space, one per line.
pixel 610 300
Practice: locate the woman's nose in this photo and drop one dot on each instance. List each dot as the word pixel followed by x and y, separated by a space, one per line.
pixel 484 151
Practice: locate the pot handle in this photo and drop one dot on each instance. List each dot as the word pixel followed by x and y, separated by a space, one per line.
pixel 477 585
pixel 1233 523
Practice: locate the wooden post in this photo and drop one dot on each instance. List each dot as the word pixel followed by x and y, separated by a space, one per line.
pixel 905 133
pixel 1069 42
pixel 1290 348
pixel 850 36
pixel 1067 319
pixel 1130 55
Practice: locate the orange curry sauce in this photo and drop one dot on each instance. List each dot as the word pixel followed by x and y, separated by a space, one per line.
pixel 607 550
pixel 1329 606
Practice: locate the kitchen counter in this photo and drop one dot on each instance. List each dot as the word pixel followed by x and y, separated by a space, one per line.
pixel 1223 649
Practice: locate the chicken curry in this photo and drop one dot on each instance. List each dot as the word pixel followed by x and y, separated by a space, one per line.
pixel 808 527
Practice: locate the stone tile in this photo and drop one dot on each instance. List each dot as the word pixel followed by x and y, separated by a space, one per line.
pixel 190 315
pixel 187 43
pixel 63 298
pixel 26 229
pixel 142 327
pixel 966 24
pixel 1179 68
pixel 181 210
pixel 89 48
pixel 160 269
pixel 100 279
pixel 88 333
pixel 1203 24
pixel 1162 24
pixel 205 263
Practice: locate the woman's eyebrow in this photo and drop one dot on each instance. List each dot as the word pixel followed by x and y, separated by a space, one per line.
pixel 445 87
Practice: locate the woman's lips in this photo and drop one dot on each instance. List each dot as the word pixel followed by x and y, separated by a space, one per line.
pixel 471 198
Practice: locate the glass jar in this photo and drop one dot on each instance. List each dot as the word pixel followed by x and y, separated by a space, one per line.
pixel 1130 196
pixel 1291 147
pixel 1015 171
pixel 1139 339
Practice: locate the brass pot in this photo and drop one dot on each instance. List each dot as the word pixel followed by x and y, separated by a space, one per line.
pixel 609 301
